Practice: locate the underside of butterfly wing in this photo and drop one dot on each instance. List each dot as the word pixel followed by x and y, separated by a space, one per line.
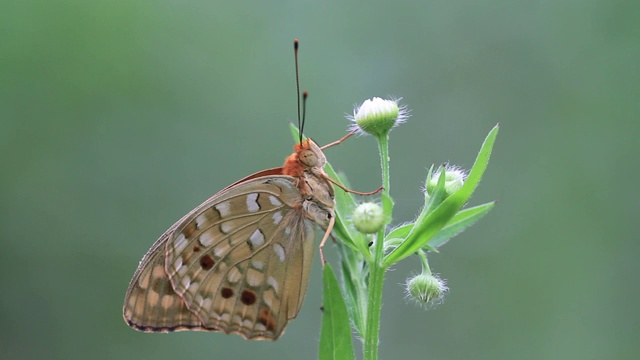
pixel 242 263
pixel 238 263
pixel 151 304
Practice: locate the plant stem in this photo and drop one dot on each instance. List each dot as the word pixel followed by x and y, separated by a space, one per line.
pixel 374 305
pixel 377 269
pixel 387 203
pixel 423 260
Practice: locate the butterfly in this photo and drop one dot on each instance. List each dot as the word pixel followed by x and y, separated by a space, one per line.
pixel 240 261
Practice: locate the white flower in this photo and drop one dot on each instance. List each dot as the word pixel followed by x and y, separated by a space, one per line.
pixel 377 116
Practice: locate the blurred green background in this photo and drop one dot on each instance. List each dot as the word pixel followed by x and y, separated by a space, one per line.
pixel 117 117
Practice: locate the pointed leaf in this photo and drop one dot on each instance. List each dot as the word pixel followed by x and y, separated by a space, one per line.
pixel 354 277
pixel 459 223
pixel 335 338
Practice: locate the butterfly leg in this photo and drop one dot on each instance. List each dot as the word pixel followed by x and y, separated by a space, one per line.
pixel 327 233
pixel 337 142
pixel 353 191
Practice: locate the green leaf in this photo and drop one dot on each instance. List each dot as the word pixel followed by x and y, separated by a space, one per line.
pixel 437 196
pixel 459 223
pixel 400 232
pixel 437 219
pixel 387 206
pixel 295 132
pixel 335 337
pixel 354 276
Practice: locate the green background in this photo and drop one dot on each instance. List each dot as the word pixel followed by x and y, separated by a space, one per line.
pixel 117 117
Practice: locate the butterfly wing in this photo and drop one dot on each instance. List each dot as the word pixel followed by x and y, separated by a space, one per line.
pixel 238 263
pixel 151 304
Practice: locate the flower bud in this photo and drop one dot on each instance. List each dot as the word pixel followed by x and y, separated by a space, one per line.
pixel 454 178
pixel 368 218
pixel 426 288
pixel 377 116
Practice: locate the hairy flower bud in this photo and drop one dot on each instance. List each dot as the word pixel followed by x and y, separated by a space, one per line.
pixel 368 218
pixel 426 288
pixel 454 178
pixel 377 116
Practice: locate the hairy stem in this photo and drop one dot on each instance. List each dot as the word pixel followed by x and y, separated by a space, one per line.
pixel 377 269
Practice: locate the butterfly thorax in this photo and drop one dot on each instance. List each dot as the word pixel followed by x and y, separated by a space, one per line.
pixel 306 166
pixel 318 203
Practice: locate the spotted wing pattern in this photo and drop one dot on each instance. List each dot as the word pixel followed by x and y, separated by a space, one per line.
pixel 238 263
pixel 151 304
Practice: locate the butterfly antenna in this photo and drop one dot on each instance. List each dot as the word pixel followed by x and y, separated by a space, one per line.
pixel 295 55
pixel 305 95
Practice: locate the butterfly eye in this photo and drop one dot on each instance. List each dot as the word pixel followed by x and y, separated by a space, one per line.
pixel 308 158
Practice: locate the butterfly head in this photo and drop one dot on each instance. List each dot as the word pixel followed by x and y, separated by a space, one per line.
pixel 310 154
pixel 307 156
